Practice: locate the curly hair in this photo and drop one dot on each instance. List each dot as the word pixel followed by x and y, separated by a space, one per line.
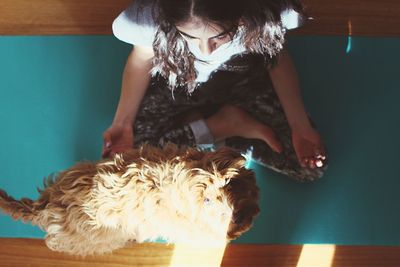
pixel 257 23
pixel 173 59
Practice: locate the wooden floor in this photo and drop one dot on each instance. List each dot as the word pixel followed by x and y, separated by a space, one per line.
pixel 60 17
pixel 34 253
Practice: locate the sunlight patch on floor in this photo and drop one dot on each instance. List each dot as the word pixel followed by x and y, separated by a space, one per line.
pixel 316 256
pixel 191 255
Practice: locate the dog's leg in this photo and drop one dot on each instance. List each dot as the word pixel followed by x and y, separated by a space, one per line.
pixel 99 241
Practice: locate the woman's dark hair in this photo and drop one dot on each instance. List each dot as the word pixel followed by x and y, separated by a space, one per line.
pixel 256 22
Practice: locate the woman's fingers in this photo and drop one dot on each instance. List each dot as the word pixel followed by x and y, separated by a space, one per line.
pixel 116 140
pixel 105 152
pixel 312 164
pixel 317 160
pixel 110 152
pixel 319 153
pixel 304 162
pixel 107 137
pixel 320 156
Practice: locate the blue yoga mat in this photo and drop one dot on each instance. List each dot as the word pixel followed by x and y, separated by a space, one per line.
pixel 59 93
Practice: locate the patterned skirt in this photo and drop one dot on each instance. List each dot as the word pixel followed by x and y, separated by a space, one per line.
pixel 242 81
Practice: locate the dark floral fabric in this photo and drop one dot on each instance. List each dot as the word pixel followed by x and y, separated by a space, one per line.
pixel 242 81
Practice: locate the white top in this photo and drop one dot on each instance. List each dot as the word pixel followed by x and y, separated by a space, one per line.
pixel 136 26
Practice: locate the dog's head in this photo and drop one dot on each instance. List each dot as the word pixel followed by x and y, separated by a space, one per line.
pixel 230 195
pixel 207 195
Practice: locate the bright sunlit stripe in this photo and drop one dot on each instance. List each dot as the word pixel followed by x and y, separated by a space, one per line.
pixel 248 156
pixel 190 255
pixel 248 164
pixel 316 256
pixel 349 38
pixel 348 48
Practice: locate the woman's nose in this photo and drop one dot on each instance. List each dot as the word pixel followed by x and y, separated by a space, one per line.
pixel 207 47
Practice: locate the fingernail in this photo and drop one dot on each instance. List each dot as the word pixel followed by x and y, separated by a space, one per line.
pixel 108 144
pixel 319 163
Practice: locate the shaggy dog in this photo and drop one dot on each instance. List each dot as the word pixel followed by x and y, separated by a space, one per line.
pixel 178 194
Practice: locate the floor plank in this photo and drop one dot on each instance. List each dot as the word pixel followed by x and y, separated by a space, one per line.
pixel 60 17
pixel 33 252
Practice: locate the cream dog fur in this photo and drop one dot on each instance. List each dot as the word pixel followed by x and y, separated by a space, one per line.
pixel 180 195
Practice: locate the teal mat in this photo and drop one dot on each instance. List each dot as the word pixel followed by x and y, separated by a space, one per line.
pixel 58 94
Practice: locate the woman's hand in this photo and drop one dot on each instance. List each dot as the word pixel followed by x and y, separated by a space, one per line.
pixel 309 148
pixel 117 139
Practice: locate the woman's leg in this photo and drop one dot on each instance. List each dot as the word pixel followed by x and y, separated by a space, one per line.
pixel 265 107
pixel 253 93
pixel 165 118
pixel 251 137
pixel 158 122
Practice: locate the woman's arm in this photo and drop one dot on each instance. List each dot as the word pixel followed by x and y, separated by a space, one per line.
pixel 306 140
pixel 285 80
pixel 135 80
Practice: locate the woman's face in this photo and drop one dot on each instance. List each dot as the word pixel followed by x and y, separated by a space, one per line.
pixel 207 36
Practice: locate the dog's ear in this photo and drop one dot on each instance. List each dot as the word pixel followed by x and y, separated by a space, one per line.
pixel 193 155
pixel 224 158
pixel 225 161
pixel 243 196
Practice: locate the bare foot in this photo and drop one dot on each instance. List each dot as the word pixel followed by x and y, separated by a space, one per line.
pixel 232 121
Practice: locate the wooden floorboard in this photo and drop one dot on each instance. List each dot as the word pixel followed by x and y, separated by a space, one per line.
pixel 34 253
pixel 76 17
pixel 352 17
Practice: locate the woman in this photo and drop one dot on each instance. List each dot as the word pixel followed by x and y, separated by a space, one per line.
pixel 212 72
